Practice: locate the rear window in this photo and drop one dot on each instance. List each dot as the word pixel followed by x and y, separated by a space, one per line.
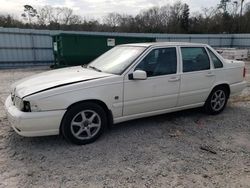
pixel 195 59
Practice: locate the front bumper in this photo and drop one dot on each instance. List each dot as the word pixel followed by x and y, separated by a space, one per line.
pixel 32 124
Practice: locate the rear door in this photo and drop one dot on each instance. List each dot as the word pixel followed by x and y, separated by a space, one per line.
pixel 197 76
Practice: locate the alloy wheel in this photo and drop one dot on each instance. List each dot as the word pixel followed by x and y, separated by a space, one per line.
pixel 85 125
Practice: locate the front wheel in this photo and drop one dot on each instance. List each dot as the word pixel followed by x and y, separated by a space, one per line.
pixel 217 100
pixel 84 123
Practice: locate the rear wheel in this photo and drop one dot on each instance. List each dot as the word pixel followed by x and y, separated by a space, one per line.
pixel 84 123
pixel 217 100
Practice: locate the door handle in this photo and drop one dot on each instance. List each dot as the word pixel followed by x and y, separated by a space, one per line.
pixel 210 74
pixel 174 79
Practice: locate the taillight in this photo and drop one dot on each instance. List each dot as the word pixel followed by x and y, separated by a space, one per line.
pixel 244 72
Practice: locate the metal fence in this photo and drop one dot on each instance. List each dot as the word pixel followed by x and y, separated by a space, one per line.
pixel 29 47
pixel 25 47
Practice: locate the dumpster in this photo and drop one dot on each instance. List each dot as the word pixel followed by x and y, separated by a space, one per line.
pixel 79 49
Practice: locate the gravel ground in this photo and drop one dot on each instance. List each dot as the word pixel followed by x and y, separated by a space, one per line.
pixel 161 151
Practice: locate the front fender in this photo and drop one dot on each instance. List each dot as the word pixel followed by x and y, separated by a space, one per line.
pixel 61 98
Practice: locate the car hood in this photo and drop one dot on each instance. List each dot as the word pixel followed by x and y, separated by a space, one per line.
pixel 55 78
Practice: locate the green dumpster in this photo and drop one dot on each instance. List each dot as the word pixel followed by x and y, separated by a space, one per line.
pixel 79 49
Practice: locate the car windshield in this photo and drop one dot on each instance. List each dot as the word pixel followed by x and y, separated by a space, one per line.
pixel 116 60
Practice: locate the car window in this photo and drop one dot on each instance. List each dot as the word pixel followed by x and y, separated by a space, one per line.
pixel 194 59
pixel 159 62
pixel 216 61
pixel 116 60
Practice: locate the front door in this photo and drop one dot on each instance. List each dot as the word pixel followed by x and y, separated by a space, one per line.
pixel 161 88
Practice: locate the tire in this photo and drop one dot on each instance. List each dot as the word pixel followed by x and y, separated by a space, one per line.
pixel 84 123
pixel 217 100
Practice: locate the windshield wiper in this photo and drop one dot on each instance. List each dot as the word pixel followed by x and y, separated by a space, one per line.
pixel 96 69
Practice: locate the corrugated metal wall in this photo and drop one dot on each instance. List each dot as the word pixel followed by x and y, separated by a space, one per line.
pixel 20 47
pixel 218 40
pixel 241 40
pixel 28 47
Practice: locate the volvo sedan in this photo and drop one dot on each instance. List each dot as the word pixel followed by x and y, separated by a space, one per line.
pixel 128 82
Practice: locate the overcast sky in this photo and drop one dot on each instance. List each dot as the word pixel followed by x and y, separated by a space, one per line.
pixel 98 8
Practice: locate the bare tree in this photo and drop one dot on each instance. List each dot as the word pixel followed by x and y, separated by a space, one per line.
pixel 57 15
pixel 45 15
pixel 67 14
pixel 223 18
pixel 209 12
pixel 74 19
pixel 112 19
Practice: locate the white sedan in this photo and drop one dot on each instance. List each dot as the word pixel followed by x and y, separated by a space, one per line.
pixel 128 82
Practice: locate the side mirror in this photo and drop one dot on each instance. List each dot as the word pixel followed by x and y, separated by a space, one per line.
pixel 138 75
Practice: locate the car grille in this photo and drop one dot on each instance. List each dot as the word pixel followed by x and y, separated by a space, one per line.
pixel 15 99
pixel 12 96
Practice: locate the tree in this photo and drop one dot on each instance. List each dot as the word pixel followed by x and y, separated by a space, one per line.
pixel 175 18
pixel 29 13
pixel 185 18
pixel 113 20
pixel 57 15
pixel 9 21
pixel 223 5
pixel 241 7
pixel 45 15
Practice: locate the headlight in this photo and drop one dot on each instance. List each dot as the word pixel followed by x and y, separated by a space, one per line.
pixel 18 102
pixel 26 106
pixel 21 105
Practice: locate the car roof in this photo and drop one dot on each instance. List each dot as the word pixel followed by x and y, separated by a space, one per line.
pixel 158 44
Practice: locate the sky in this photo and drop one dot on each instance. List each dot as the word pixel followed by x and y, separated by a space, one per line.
pixel 97 9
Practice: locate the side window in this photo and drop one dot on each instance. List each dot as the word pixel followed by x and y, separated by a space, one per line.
pixel 194 59
pixel 159 62
pixel 216 61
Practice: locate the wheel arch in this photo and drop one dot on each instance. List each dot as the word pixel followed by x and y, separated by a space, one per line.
pixel 224 85
pixel 96 101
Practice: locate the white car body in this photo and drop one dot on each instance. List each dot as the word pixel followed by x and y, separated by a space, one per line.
pixel 51 93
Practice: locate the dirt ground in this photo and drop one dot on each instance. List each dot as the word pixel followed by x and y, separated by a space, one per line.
pixel 161 151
